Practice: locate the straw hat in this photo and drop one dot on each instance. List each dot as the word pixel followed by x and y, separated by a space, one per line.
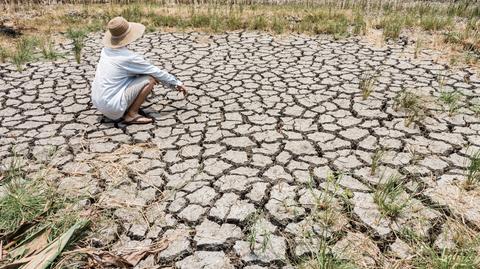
pixel 121 32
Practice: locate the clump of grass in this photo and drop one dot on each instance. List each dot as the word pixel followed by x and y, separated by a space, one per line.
pixel 4 54
pixel 475 108
pixel 376 159
pixel 433 22
pixel 392 26
pixel 442 80
pixel 48 49
pixel 367 84
pixel 410 236
pixel 36 206
pixel 429 257
pixel 473 171
pixel 323 211
pixel 451 100
pixel 23 201
pixel 388 197
pixel 325 22
pixel 471 58
pixel 278 25
pixel 256 232
pixel 258 23
pixel 132 13
pixel 411 104
pixel 359 24
pixel 13 170
pixel 234 22
pixel 78 37
pixel 166 21
pixel 463 254
pixel 24 51
pixel 323 258
pixel 418 47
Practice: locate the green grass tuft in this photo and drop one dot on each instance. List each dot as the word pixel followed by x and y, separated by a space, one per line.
pixel 48 49
pixel 388 197
pixel 359 24
pixel 367 84
pixel 473 171
pixel 376 159
pixel 23 202
pixel 24 51
pixel 4 54
pixel 434 22
pixel 411 104
pixel 451 100
pixel 78 38
pixel 392 26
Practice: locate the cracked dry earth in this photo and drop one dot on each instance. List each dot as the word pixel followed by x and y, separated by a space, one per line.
pixel 231 174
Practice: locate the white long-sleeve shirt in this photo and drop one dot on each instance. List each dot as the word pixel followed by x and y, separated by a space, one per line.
pixel 116 69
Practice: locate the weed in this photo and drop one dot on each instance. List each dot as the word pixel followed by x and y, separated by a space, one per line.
pixel 258 23
pixel 410 236
pixel 453 37
pixel 410 103
pixel 234 22
pixel 4 54
pixel 418 47
pixel 367 83
pixel 24 51
pixel 22 203
pixel 433 22
pixel 255 232
pixel 77 36
pixel 376 158
pixel 322 256
pixel 359 24
pixel 451 100
pixel 323 259
pixel 429 257
pixel 414 155
pixel 392 26
pixel 442 80
pixel 48 49
pixel 473 171
pixel 278 25
pixel 475 108
pixel 13 169
pixel 388 196
pixel 132 13
pixel 471 58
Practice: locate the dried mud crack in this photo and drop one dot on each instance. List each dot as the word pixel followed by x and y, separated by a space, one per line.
pixel 273 139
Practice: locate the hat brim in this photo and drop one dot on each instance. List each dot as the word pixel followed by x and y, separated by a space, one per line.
pixel 136 31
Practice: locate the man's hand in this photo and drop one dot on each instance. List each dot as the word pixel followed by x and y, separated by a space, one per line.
pixel 182 89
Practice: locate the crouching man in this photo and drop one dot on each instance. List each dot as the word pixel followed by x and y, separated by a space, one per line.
pixel 124 79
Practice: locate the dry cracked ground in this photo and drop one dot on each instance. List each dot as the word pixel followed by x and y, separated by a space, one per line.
pixel 271 150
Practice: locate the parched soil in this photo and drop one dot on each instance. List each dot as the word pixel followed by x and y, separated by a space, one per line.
pixel 233 174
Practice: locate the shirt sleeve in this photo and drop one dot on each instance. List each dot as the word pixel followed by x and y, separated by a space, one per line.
pixel 138 65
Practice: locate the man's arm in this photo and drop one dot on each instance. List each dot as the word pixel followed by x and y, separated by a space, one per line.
pixel 138 65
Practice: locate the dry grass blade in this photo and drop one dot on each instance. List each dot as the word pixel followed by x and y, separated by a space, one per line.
pixel 32 244
pixel 46 257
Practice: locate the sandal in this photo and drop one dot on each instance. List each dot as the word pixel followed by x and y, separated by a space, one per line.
pixel 136 120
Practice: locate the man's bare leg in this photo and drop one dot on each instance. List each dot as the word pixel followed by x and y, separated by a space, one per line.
pixel 132 111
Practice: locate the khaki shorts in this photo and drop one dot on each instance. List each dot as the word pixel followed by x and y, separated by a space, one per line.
pixel 135 87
